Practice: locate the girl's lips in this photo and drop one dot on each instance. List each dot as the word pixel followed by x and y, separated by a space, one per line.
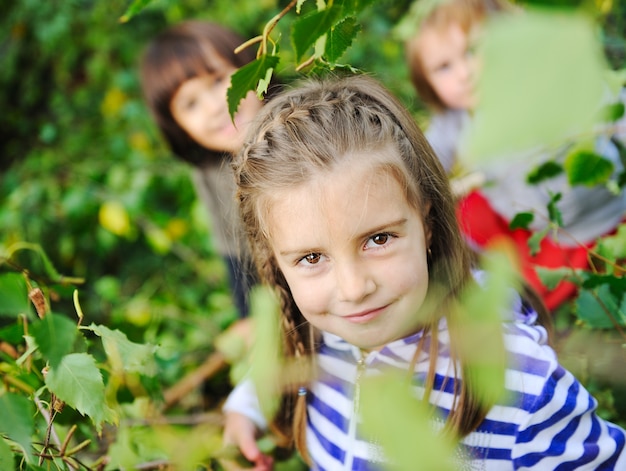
pixel 365 316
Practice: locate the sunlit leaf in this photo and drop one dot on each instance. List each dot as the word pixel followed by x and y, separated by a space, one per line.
pixel 393 418
pixel 307 29
pixel 340 38
pixel 78 382
pixel 6 455
pixel 588 168
pixel 133 9
pixel 545 171
pixel 126 355
pixel 483 309
pixel 613 247
pixel 548 67
pixel 521 220
pixel 246 78
pixel 17 422
pixel 266 367
pixel 14 295
pixel 55 335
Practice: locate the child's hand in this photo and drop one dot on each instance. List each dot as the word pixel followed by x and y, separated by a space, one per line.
pixel 240 431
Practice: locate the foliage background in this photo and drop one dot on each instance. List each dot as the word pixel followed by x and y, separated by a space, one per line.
pixel 85 175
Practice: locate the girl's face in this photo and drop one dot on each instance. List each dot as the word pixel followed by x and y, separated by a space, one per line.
pixel 353 252
pixel 199 106
pixel 449 64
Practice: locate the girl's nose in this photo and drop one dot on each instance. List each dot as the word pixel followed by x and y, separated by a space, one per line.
pixel 354 281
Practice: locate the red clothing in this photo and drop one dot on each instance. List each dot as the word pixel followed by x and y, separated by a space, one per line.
pixel 482 226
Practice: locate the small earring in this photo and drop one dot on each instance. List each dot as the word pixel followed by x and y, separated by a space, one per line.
pixel 301 391
pixel 429 252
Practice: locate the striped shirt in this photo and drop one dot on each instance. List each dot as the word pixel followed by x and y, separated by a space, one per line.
pixel 548 421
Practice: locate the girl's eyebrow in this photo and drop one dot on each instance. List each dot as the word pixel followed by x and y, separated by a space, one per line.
pixel 374 230
pixel 382 228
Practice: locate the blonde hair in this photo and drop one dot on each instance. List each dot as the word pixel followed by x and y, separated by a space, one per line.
pixel 311 129
pixel 439 15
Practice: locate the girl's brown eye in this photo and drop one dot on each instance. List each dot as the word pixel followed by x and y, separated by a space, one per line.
pixel 312 258
pixel 380 239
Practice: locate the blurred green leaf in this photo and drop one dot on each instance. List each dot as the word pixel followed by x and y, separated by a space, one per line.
pixel 7 461
pixel 266 367
pixel 548 67
pixel 551 277
pixel 545 171
pixel 594 314
pixel 14 295
pixel 55 335
pixel 392 417
pixel 613 247
pixel 133 9
pixel 534 242
pixel 588 168
pixel 78 382
pixel 521 220
pixel 554 213
pixel 17 422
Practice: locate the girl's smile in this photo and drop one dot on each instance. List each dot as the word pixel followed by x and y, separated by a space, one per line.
pixel 353 252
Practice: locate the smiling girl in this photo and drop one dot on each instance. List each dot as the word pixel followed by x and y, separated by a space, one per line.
pixel 352 221
pixel 185 75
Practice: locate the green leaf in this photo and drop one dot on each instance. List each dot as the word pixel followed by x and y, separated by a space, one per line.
pixel 125 355
pixel 265 368
pixel 78 382
pixel 615 111
pixel 616 284
pixel 55 335
pixel 133 9
pixel 247 78
pixel 551 277
pixel 534 241
pixel 613 247
pixel 545 171
pixel 340 38
pixel 402 425
pixel 49 269
pixel 17 422
pixel 14 295
pixel 587 168
pixel 593 314
pixel 7 461
pixel 555 58
pixel 554 213
pixel 307 29
pixel 521 221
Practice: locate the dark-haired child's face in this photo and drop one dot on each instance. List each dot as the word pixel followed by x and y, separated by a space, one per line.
pixel 199 106
pixel 449 63
pixel 353 252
